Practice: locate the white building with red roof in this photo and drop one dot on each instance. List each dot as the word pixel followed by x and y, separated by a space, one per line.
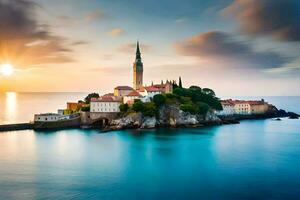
pixel 129 98
pixel 243 107
pixel 105 104
pixel 149 92
pixel 228 108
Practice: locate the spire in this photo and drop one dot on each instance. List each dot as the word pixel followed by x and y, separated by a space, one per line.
pixel 138 52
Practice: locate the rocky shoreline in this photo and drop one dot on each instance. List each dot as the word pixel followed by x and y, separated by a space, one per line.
pixel 172 116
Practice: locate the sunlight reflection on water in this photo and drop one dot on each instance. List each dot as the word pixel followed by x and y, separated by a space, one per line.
pixel 10 108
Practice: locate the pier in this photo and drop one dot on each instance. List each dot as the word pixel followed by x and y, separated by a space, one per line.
pixel 16 127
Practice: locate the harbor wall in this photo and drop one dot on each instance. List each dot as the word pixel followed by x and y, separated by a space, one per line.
pixel 16 127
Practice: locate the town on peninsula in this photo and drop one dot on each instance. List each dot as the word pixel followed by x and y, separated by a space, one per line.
pixel 164 104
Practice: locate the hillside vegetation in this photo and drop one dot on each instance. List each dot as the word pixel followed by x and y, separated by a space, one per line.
pixel 193 100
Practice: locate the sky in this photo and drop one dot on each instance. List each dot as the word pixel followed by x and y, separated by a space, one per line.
pixel 235 47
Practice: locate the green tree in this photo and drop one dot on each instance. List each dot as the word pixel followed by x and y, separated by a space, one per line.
pixel 180 82
pixel 159 100
pixel 202 108
pixel 87 99
pixel 85 109
pixel 195 88
pixel 124 108
pixel 185 100
pixel 188 107
pixel 138 106
pixel 150 109
pixel 209 91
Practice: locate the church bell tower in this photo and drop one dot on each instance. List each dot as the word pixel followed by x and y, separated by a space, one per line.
pixel 138 69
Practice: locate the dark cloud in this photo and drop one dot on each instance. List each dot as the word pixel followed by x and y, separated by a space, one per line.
pixel 26 42
pixel 216 46
pixel 278 18
pixel 81 42
pixel 131 47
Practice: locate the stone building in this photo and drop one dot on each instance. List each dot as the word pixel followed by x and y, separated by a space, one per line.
pixel 105 105
pixel 122 91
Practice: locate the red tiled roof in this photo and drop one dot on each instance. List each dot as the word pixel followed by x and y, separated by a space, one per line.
pixel 105 99
pixel 108 95
pixel 123 88
pixel 256 102
pixel 152 89
pixel 134 94
pixel 250 102
pixel 227 102
pixel 159 85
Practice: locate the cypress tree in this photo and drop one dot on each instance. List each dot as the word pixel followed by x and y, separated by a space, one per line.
pixel 180 83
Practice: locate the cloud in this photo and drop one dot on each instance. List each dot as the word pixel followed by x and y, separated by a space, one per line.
pixel 26 42
pixel 116 32
pixel 81 42
pixel 94 15
pixel 131 47
pixel 181 20
pixel 66 21
pixel 278 18
pixel 219 46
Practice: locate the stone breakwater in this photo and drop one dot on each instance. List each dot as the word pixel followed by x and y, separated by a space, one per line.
pixel 16 127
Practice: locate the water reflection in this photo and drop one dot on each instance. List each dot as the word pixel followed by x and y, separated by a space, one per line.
pixel 10 106
pixel 15 146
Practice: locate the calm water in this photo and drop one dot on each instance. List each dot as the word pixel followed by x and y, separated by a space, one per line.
pixel 20 107
pixel 252 160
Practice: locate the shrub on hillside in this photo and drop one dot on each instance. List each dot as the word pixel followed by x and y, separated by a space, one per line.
pixel 159 100
pixel 124 108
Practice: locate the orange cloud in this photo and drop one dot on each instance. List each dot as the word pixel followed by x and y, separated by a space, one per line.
pixel 116 32
pixel 25 42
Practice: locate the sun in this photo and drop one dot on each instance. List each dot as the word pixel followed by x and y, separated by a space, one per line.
pixel 7 69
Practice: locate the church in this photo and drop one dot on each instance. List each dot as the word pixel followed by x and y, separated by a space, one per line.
pixel 138 89
pixel 138 71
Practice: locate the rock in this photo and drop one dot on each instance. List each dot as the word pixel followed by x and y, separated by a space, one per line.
pixel 293 115
pixel 211 116
pixel 278 119
pixel 149 122
pixel 133 120
pixel 172 122
pixel 281 113
pixel 186 119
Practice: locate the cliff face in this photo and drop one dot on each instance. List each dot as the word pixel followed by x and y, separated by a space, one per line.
pixel 173 116
pixel 133 120
pixel 168 116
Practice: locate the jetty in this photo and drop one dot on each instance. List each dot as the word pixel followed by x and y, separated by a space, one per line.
pixel 16 127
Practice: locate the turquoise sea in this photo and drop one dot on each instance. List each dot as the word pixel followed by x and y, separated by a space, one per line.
pixel 257 159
